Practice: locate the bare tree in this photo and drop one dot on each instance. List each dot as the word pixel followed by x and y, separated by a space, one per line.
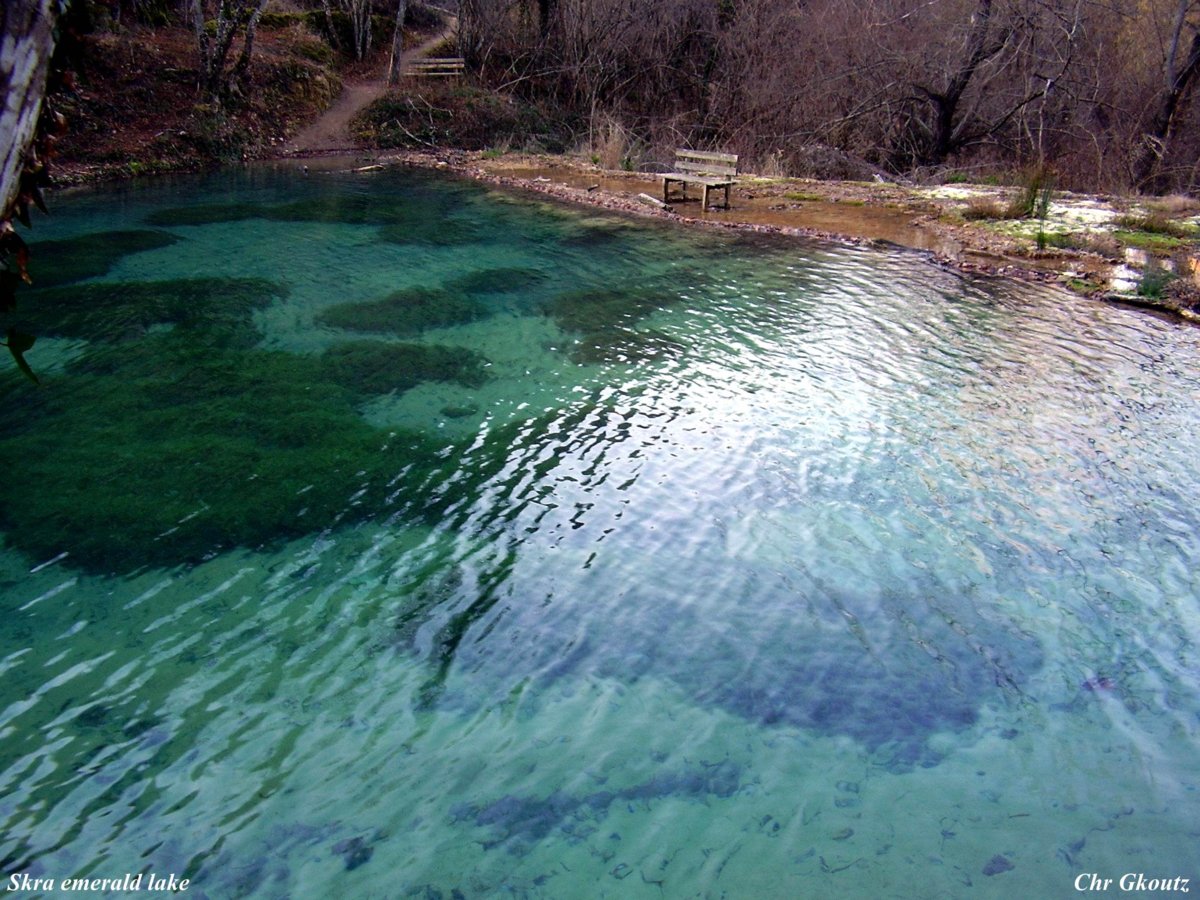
pixel 231 16
pixel 1180 68
pixel 360 26
pixel 1097 89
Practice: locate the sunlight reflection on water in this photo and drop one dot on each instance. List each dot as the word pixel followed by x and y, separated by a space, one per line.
pixel 714 566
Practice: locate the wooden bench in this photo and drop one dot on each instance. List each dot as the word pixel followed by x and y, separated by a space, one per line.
pixel 435 67
pixel 709 170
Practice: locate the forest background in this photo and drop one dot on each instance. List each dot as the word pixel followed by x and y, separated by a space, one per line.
pixel 1101 93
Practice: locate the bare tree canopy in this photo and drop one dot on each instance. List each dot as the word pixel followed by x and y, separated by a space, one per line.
pixel 1104 92
pixel 231 17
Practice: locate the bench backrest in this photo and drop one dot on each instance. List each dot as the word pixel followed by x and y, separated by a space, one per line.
pixel 453 65
pixel 701 162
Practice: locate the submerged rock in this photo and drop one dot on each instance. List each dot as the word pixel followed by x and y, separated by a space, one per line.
pixel 354 851
pixel 997 864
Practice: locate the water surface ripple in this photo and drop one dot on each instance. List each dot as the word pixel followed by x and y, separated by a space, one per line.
pixel 453 543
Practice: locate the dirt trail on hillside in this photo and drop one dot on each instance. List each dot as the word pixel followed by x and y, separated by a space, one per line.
pixel 331 132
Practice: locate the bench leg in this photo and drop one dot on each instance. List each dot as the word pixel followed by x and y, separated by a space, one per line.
pixel 704 204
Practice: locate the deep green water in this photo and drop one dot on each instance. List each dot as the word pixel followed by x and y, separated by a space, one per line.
pixel 379 535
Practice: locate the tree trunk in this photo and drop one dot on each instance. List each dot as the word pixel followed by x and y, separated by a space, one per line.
pixel 545 15
pixel 946 130
pixel 330 27
pixel 360 24
pixel 26 44
pixel 243 63
pixel 1179 78
pixel 395 65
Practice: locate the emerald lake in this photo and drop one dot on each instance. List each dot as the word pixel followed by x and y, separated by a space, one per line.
pixel 384 535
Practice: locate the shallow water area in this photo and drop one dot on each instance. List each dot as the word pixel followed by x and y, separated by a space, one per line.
pixel 382 534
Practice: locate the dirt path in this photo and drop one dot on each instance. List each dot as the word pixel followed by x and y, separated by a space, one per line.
pixel 331 133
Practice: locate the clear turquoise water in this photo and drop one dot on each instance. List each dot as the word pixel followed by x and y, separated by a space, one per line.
pixel 745 569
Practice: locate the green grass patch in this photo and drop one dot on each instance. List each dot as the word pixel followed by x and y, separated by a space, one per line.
pixel 1102 244
pixel 991 179
pixel 1153 283
pixel 1083 286
pixel 1155 223
pixel 1149 241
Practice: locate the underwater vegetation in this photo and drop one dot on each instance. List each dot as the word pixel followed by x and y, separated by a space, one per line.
pixel 206 214
pixel 604 323
pixel 191 439
pixel 628 347
pixel 164 452
pixel 433 231
pixel 120 311
pixel 891 688
pixel 597 234
pixel 598 311
pixel 421 220
pixel 519 821
pixel 502 280
pixel 335 208
pixel 378 367
pixel 405 312
pixel 89 255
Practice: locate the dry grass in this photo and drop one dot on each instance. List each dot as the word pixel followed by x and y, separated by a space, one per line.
pixel 1174 205
pixel 611 143
pixel 987 209
pixel 1157 222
